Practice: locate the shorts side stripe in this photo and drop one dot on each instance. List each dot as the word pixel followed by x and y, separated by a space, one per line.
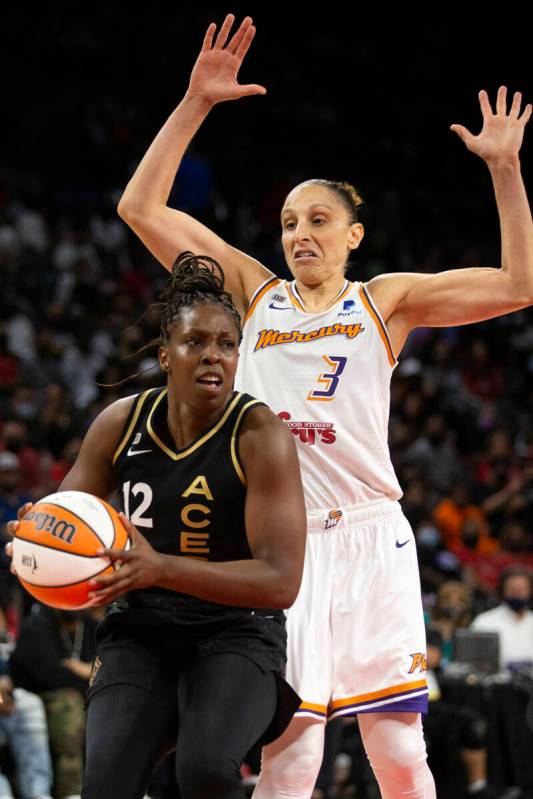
pixel 385 693
pixel 410 701
pixel 310 709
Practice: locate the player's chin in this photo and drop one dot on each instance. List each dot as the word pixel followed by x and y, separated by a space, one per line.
pixel 211 391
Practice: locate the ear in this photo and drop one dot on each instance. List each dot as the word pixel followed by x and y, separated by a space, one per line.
pixel 355 236
pixel 162 355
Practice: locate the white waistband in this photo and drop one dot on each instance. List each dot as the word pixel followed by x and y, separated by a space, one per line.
pixel 330 518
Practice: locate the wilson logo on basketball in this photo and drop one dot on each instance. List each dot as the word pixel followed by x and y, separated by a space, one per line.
pixel 310 432
pixel 59 528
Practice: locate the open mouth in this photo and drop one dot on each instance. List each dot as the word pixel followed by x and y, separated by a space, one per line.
pixel 210 382
pixel 301 255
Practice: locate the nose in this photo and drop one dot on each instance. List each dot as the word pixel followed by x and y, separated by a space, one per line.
pixel 211 353
pixel 301 231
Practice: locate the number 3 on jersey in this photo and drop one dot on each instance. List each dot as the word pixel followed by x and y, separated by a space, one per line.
pixel 330 379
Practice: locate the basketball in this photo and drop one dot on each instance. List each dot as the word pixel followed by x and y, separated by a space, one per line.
pixel 54 551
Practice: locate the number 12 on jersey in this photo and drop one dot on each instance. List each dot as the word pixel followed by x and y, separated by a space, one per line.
pixel 330 379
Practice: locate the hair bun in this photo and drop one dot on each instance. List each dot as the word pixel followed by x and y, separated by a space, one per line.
pixel 192 274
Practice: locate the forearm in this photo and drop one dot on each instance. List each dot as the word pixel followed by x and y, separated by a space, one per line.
pixel 246 583
pixel 152 181
pixel 516 225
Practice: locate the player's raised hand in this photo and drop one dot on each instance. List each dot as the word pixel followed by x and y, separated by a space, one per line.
pixel 215 74
pixel 501 136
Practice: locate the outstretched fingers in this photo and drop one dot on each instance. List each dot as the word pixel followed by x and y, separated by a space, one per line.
pixel 501 101
pixel 524 119
pixel 239 35
pixel 484 102
pixel 514 113
pixel 208 38
pixel 224 32
pixel 245 43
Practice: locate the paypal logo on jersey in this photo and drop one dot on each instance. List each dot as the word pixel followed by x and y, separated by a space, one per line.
pixel 348 308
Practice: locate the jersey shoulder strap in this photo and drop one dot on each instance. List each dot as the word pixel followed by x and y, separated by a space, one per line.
pixel 244 406
pixel 142 402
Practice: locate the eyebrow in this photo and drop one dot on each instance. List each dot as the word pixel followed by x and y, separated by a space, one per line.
pixel 204 331
pixel 312 207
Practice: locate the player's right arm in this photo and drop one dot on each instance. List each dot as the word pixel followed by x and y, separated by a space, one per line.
pixel 143 206
pixel 92 469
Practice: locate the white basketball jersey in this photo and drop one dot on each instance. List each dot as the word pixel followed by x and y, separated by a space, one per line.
pixel 327 375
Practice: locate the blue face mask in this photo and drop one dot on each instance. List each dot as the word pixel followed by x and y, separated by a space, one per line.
pixel 516 603
pixel 428 537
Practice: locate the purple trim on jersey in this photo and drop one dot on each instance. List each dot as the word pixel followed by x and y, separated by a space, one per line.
pixel 379 319
pixel 294 291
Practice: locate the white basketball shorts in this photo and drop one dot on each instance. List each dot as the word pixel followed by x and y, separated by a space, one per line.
pixel 356 636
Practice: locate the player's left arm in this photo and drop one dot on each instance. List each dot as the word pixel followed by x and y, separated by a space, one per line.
pixel 275 526
pixel 463 296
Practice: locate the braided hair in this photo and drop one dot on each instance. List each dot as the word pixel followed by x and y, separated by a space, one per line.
pixel 194 280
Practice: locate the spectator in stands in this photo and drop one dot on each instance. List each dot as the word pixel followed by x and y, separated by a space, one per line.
pixel 451 612
pixel 453 511
pixel 435 455
pixel 456 736
pixel 52 658
pixel 23 728
pixel 512 619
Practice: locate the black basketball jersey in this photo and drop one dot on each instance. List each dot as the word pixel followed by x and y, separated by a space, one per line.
pixel 187 502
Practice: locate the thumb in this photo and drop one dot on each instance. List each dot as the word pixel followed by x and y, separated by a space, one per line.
pixel 463 133
pixel 251 88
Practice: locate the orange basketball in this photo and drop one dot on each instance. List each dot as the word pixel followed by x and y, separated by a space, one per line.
pixel 54 551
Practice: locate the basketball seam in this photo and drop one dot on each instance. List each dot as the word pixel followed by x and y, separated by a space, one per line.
pixel 104 505
pixel 55 549
pixel 66 585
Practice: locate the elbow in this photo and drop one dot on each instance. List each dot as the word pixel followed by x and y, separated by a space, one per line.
pixel 127 210
pixel 523 294
pixel 285 595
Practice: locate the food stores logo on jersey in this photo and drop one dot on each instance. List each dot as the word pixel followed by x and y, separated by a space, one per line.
pixel 271 338
pixel 310 432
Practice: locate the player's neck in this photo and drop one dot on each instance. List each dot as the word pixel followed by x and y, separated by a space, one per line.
pixel 187 422
pixel 318 297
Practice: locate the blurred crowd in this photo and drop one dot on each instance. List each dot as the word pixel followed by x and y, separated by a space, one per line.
pixel 76 316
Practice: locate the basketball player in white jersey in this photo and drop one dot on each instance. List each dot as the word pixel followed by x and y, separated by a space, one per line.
pixel 320 351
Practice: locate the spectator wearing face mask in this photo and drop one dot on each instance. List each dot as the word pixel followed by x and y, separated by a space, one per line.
pixel 452 611
pixel 437 564
pixel 512 619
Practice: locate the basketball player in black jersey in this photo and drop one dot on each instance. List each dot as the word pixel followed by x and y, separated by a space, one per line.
pixel 192 650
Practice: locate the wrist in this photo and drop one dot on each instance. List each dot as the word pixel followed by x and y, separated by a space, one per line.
pixel 503 164
pixel 161 570
pixel 198 102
